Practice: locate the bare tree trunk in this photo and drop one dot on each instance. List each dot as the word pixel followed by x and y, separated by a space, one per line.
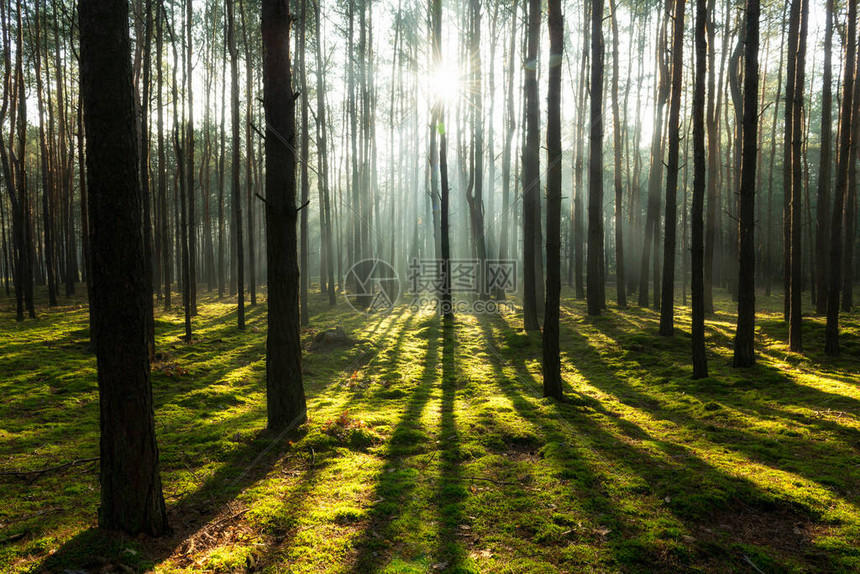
pixel 510 126
pixel 305 186
pixel 594 273
pixel 189 153
pixel 531 170
pixel 655 177
pixel 795 326
pixel 322 151
pixel 131 497
pixel 620 282
pixel 475 199
pixel 824 168
pixel 700 361
pixel 236 191
pixel 285 396
pixel 744 352
pixel 846 157
pixel 552 382
pixel 667 305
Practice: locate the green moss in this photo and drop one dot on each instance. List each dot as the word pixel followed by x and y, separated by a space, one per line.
pixel 431 449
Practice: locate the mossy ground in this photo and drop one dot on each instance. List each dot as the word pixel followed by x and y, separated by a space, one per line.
pixel 430 449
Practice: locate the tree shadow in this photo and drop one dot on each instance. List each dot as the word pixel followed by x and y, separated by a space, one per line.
pixel 450 491
pixel 396 481
pixel 631 463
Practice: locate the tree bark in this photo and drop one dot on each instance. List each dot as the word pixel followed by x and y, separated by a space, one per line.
pixel 697 242
pixel 824 168
pixel 594 274
pixel 552 381
pixel 620 282
pixel 667 304
pixel 744 352
pixel 285 396
pixel 236 191
pixel 795 318
pixel 131 497
pixel 531 170
pixel 846 157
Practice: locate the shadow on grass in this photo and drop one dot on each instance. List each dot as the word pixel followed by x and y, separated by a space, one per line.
pixel 631 463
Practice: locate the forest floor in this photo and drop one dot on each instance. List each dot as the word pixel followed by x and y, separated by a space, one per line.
pixel 430 449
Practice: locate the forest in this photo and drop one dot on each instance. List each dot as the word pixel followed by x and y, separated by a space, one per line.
pixel 415 286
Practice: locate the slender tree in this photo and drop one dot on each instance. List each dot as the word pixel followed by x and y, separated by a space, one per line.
pixel 531 169
pixel 744 352
pixel 667 304
pixel 824 168
pixel 697 241
pixel 618 144
pixel 795 318
pixel 552 383
pixel 847 148
pixel 234 181
pixel 594 274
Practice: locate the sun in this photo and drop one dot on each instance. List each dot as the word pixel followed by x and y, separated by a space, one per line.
pixel 443 83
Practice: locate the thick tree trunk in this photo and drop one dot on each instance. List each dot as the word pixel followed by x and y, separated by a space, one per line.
pixel 285 396
pixel 131 497
pixel 552 382
pixel 744 353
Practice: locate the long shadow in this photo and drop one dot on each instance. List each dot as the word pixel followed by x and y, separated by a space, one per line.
pixel 832 460
pixel 678 473
pixel 586 490
pixel 256 454
pixel 397 479
pixel 450 491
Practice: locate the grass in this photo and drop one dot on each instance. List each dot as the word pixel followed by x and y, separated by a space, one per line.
pixel 429 448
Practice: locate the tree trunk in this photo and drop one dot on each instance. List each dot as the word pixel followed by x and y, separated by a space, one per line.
pixel 655 176
pixel 594 274
pixel 697 243
pixel 552 382
pixel 840 191
pixel 620 282
pixel 744 354
pixel 531 170
pixel 667 304
pixel 322 151
pixel 795 319
pixel 305 186
pixel 189 158
pixel 285 396
pixel 824 168
pixel 236 191
pixel 510 127
pixel 131 497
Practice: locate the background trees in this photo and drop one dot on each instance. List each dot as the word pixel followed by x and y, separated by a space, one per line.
pixel 390 91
